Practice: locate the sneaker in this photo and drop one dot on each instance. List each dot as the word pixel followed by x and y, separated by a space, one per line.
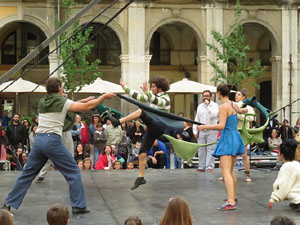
pixel 76 210
pixel 294 206
pixel 139 181
pixel 227 206
pixel 114 121
pixel 6 207
pixel 40 179
pixel 248 179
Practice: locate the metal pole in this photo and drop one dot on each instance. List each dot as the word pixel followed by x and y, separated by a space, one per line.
pixel 58 38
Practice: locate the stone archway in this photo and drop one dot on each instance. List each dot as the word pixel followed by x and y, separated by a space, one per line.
pixel 174 46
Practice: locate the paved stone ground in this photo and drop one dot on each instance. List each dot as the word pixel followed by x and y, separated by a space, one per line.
pixel 111 201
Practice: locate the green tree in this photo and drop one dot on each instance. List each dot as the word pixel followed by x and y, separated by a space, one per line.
pixel 233 52
pixel 78 71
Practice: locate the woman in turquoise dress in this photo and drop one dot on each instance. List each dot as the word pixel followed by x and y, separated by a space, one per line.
pixel 230 144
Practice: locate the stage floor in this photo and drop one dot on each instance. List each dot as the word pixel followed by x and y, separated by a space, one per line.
pixel 111 201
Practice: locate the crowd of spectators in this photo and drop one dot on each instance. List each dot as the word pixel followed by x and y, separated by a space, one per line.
pixel 177 212
pixel 91 141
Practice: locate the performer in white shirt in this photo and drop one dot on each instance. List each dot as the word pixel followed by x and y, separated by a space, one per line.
pixel 207 113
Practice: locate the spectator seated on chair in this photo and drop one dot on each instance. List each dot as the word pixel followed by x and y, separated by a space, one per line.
pixel 274 141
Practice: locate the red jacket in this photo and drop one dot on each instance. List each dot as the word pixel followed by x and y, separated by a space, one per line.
pixel 103 162
pixel 84 133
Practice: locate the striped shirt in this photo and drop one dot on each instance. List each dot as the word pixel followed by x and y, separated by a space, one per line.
pixel 160 101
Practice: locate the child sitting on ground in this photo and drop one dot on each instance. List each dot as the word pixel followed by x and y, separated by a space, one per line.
pixel 130 166
pixel 287 184
pixel 117 165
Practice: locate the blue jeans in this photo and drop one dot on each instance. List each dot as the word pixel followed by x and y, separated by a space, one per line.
pixel 48 146
pixel 96 155
pixel 177 161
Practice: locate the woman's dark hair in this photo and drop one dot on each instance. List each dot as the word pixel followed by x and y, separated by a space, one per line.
pixel 224 89
pixel 133 220
pixel 243 92
pixel 94 116
pixel 33 126
pixel 52 85
pixel 161 83
pixel 103 152
pixel 288 150
pixel 282 220
pixel 76 151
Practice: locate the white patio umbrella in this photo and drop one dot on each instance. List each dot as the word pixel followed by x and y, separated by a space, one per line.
pixel 186 86
pixel 21 86
pixel 102 86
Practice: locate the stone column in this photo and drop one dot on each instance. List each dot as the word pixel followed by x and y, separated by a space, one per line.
pixel 53 64
pixel 289 47
pixel 276 82
pixel 135 64
pixel 214 20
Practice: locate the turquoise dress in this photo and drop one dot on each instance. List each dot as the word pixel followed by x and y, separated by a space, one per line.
pixel 230 142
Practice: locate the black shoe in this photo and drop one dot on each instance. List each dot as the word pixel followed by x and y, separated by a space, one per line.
pixel 139 181
pixel 76 210
pixel 114 121
pixel 7 207
pixel 40 179
pixel 294 206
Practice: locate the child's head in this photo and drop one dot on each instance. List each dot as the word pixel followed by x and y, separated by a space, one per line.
pixel 130 165
pixel 177 212
pixel 117 165
pixel 288 150
pixel 6 217
pixel 282 220
pixel 87 164
pixel 58 215
pixel 138 145
pixel 80 164
pixel 133 220
pixel 99 127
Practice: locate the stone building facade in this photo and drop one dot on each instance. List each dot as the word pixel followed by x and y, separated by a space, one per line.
pixel 166 37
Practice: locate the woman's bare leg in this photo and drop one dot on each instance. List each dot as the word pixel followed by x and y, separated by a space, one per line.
pixel 233 176
pixel 246 165
pixel 226 161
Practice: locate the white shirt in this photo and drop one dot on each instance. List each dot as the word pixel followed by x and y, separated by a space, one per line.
pixel 287 184
pixel 53 122
pixel 242 116
pixel 206 114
